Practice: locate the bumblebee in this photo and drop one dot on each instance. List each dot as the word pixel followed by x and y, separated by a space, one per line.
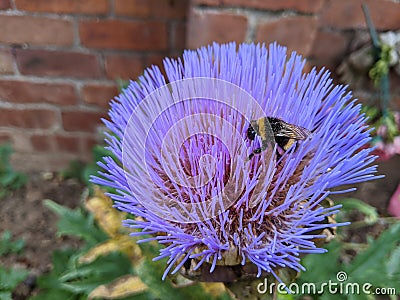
pixel 285 134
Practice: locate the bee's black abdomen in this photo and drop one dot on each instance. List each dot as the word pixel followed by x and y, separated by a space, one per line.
pixel 282 141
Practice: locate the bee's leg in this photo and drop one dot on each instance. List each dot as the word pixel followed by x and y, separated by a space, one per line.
pixel 264 145
pixel 255 151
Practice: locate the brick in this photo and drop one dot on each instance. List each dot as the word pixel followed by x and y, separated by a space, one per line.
pixel 57 63
pixel 89 143
pixel 99 94
pixel 297 33
pixel 30 92
pixel 125 35
pixel 207 2
pixel 178 36
pixel 310 64
pixel 207 27
pixel 344 14
pixel 35 31
pixel 97 7
pixel 70 144
pixel 21 141
pixel 6 62
pixel 42 143
pixel 304 6
pixel 172 9
pixel 59 143
pixel 156 60
pixel 123 66
pixel 44 161
pixel 84 121
pixel 5 138
pixel 5 4
pixel 329 48
pixel 28 118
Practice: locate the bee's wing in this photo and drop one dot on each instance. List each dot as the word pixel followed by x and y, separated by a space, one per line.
pixel 293 131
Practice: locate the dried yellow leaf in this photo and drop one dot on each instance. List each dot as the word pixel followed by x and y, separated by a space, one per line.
pixel 213 288
pixel 122 287
pixel 108 218
pixel 124 244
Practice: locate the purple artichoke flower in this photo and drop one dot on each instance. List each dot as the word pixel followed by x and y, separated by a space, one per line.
pixel 183 165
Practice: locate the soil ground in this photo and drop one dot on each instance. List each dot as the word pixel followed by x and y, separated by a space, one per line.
pixel 23 213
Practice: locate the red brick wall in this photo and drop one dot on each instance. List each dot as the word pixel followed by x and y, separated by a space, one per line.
pixel 59 62
pixel 318 29
pixel 324 31
pixel 59 59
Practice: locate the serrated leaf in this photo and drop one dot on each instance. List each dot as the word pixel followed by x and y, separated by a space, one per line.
pixel 60 261
pixel 10 278
pixel 7 179
pixel 5 295
pixel 393 263
pixel 6 236
pixel 87 277
pixel 363 268
pixel 76 223
pixel 122 287
pixel 9 246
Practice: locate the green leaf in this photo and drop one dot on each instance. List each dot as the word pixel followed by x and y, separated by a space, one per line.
pixel 8 246
pixel 122 84
pixel 150 272
pixel 74 170
pixel 370 212
pixel 99 152
pixel 90 170
pixel 10 278
pixel 285 297
pixel 376 257
pixel 321 267
pixel 62 260
pixel 5 295
pixel 393 263
pixel 9 179
pixel 77 223
pixel 103 270
pixel 74 281
pixel 54 294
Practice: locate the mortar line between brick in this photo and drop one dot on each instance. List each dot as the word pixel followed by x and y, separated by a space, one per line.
pixel 254 11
